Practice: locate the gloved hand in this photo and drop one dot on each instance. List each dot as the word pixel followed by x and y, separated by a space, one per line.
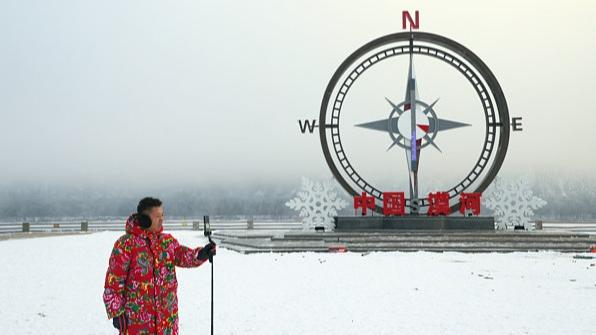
pixel 120 322
pixel 207 251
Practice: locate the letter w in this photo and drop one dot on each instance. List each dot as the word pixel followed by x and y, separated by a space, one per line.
pixel 307 124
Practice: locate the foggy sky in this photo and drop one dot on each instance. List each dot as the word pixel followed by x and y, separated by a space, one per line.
pixel 211 91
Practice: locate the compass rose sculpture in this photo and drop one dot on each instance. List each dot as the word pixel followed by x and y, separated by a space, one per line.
pixel 413 125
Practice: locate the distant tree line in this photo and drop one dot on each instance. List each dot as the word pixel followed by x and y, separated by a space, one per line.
pixel 572 199
pixel 32 201
pixel 567 199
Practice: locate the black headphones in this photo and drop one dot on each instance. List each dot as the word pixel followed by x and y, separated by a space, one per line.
pixel 144 220
pixel 144 204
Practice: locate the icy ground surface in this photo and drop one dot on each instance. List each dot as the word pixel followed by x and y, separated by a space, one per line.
pixel 54 286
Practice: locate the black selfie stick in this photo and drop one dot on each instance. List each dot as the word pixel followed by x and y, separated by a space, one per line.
pixel 207 232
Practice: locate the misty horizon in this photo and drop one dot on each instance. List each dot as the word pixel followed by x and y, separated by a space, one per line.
pixel 569 198
pixel 112 101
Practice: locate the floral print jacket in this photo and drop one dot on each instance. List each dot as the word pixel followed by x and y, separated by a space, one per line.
pixel 141 279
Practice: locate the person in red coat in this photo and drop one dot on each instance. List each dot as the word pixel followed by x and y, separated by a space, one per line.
pixel 140 291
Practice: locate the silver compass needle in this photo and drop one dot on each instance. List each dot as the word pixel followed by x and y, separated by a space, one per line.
pixel 426 137
pixel 436 125
pixel 413 153
pixel 411 97
pixel 398 139
pixel 392 104
pixel 393 144
pixel 427 109
pixel 381 125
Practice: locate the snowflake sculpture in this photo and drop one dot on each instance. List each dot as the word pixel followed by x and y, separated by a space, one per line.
pixel 513 203
pixel 318 204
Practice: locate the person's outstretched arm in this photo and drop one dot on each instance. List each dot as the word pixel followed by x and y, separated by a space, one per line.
pixel 188 258
pixel 113 294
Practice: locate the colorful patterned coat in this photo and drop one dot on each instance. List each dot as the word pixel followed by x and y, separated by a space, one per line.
pixel 141 279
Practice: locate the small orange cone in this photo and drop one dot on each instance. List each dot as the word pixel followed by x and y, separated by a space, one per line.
pixel 339 248
pixel 593 249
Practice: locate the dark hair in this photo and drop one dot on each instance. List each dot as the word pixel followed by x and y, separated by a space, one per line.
pixel 147 203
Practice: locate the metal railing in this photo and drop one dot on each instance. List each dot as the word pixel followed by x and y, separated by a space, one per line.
pixel 177 224
pixel 113 225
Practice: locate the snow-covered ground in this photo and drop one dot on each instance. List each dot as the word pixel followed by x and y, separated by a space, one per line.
pixel 54 286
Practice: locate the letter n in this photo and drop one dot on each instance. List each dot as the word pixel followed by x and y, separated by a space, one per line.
pixel 406 19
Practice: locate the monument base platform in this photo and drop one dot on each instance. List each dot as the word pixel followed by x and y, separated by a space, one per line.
pixel 251 241
pixel 413 222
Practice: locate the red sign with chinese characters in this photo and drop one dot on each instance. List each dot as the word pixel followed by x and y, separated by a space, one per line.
pixel 365 202
pixel 394 203
pixel 438 204
pixel 470 203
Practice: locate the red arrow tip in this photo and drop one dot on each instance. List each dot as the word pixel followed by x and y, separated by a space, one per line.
pixel 424 127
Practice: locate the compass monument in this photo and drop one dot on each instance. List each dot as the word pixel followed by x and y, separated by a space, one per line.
pixel 413 125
